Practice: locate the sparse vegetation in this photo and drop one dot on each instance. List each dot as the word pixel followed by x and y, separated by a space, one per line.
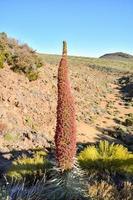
pixel 106 65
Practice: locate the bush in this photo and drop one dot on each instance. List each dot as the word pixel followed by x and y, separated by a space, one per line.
pixel 2 58
pixel 25 167
pixel 24 61
pixel 129 120
pixel 21 57
pixel 32 75
pixel 103 190
pixel 11 137
pixel 107 157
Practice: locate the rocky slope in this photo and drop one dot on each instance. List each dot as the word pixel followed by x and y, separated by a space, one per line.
pixel 28 109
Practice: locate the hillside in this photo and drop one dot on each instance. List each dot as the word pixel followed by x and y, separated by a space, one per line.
pixel 107 65
pixel 28 109
pixel 30 106
pixel 118 56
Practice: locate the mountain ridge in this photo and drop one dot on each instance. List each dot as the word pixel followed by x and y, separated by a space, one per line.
pixel 117 55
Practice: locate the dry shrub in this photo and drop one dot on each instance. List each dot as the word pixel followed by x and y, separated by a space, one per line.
pixel 102 190
pixel 22 58
pixel 108 191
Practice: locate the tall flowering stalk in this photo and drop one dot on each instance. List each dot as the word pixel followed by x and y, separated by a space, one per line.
pixel 65 136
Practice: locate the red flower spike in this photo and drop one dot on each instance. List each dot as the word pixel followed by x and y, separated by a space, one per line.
pixel 65 136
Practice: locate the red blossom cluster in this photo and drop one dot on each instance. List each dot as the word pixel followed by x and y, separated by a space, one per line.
pixel 65 136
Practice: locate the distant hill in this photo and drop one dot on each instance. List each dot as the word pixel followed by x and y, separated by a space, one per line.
pixel 117 56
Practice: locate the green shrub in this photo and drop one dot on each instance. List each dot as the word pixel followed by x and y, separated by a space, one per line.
pixel 32 75
pixel 2 58
pixel 29 122
pixel 8 137
pixel 107 157
pixel 11 137
pixel 25 167
pixel 129 120
pixel 39 62
pixel 8 58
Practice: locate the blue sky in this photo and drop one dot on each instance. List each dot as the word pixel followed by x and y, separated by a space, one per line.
pixel 91 27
